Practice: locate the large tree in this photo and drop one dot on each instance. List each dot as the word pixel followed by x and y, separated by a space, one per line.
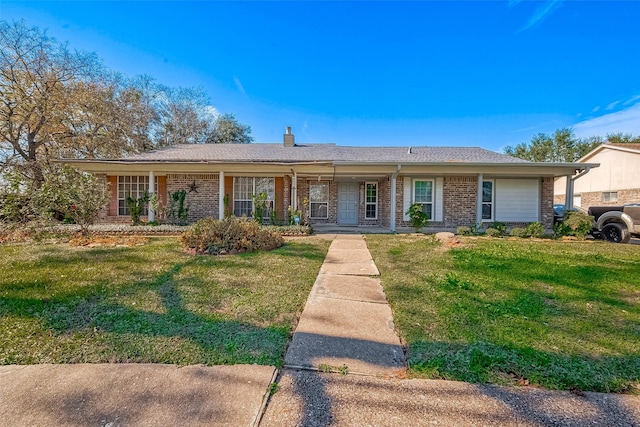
pixel 55 102
pixel 561 146
pixel 227 130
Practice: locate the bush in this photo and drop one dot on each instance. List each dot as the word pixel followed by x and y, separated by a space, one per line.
pixel 535 229
pixel 417 218
pixel 493 232
pixel 291 230
pixel 574 223
pixel 519 232
pixel 230 235
pixel 463 231
pixel 500 226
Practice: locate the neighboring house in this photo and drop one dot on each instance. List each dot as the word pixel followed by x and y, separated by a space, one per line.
pixel 615 182
pixel 349 186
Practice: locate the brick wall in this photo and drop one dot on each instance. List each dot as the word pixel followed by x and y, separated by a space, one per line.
pixel 594 198
pixel 460 200
pixel 204 202
pixel 546 202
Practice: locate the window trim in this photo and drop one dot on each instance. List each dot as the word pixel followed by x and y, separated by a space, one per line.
pixel 326 203
pixel 433 195
pixel 374 203
pixel 492 203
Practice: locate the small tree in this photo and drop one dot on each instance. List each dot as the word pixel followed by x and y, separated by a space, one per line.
pixel 77 195
pixel 178 212
pixel 417 218
pixel 136 206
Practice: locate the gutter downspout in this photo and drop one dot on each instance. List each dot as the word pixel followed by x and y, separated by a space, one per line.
pixel 568 198
pixel 392 201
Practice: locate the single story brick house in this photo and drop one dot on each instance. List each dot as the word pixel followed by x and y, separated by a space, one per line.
pixel 351 186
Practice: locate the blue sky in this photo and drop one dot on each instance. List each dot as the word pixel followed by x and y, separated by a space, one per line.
pixel 474 73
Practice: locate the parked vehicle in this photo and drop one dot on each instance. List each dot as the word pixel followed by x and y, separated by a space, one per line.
pixel 616 223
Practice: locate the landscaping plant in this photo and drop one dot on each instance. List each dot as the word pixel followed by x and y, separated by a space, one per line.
pixel 417 218
pixel 229 235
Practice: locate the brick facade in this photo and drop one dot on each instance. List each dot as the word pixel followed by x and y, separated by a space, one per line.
pixel 546 202
pixel 204 201
pixel 594 198
pixel 460 200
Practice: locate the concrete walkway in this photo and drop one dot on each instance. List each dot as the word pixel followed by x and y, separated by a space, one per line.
pixel 347 324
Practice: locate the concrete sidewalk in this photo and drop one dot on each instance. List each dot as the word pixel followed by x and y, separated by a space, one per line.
pixel 113 395
pixel 347 324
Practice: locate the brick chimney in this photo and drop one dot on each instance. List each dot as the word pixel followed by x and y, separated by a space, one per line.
pixel 289 139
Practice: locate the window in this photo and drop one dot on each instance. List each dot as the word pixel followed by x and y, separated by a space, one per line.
pixel 487 200
pixel 244 188
pixel 371 200
pixel 319 200
pixel 610 196
pixel 423 193
pixel 134 187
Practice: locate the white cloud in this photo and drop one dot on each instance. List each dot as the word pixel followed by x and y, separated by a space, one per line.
pixel 625 121
pixel 632 100
pixel 595 109
pixel 239 85
pixel 540 14
pixel 612 105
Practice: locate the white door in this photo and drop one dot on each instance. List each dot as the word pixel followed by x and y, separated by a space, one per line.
pixel 348 203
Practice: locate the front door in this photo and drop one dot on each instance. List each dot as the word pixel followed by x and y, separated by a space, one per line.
pixel 348 203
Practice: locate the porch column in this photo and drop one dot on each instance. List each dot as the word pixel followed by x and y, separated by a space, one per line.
pixel 392 203
pixel 479 206
pixel 221 195
pixel 568 195
pixel 294 191
pixel 152 190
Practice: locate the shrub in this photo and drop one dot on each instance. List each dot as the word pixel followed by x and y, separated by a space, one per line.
pixel 77 195
pixel 231 235
pixel 177 211
pixel 291 230
pixel 417 218
pixel 518 232
pixel 535 229
pixel 463 231
pixel 493 232
pixel 500 226
pixel 574 223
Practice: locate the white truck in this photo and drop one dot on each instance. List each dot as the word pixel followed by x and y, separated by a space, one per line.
pixel 616 223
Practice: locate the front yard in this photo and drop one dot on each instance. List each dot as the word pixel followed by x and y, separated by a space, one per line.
pixel 559 315
pixel 152 303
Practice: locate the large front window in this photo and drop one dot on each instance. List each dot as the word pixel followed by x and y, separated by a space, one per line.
pixel 319 200
pixel 371 200
pixel 487 200
pixel 244 190
pixel 134 187
pixel 423 194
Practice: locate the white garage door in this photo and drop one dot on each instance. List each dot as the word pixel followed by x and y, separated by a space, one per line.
pixel 517 200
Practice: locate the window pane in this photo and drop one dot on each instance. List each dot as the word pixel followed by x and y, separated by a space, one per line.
pixel 486 211
pixel 318 210
pixel 318 193
pixel 423 191
pixel 487 191
pixel 426 208
pixel 370 212
pixel 371 196
pixel 265 185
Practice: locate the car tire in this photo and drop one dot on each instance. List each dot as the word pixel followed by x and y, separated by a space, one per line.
pixel 616 233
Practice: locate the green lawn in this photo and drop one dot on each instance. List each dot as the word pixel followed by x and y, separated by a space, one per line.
pixel 556 314
pixel 151 303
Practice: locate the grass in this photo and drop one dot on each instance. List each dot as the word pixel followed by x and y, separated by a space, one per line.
pixel 556 314
pixel 151 303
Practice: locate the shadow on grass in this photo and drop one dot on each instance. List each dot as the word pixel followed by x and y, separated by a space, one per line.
pixel 106 327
